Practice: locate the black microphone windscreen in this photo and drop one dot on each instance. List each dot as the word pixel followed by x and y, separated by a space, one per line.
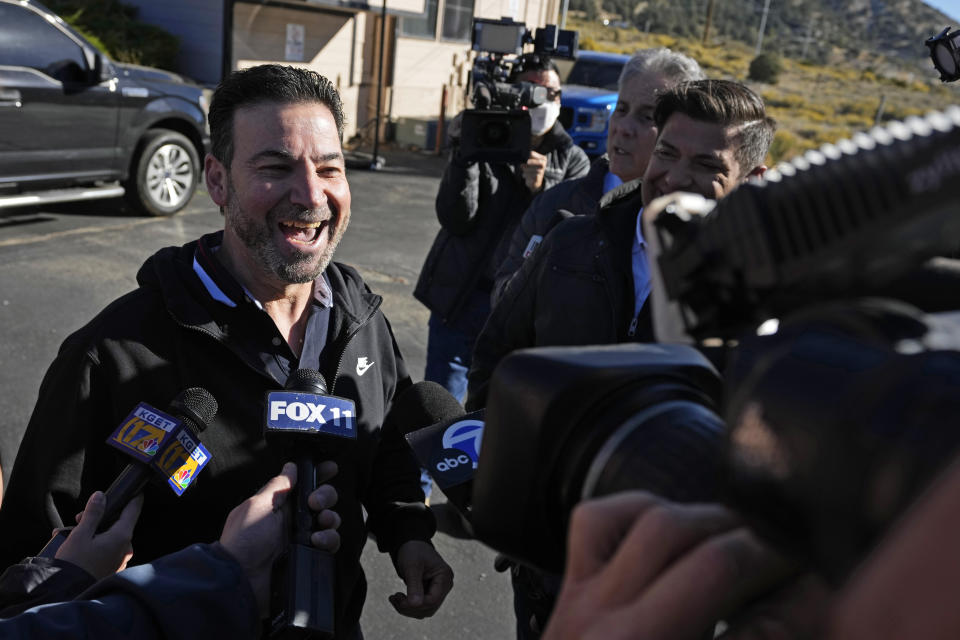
pixel 308 381
pixel 423 404
pixel 195 406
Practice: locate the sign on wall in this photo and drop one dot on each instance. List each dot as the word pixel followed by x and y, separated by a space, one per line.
pixel 295 37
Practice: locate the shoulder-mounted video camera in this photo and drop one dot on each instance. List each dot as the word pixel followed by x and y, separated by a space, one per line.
pixel 497 129
pixel 945 54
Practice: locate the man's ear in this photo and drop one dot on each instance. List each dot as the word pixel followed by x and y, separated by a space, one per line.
pixel 217 179
pixel 756 172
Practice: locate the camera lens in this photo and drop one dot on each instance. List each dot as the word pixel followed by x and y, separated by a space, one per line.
pixel 494 133
pixel 661 436
pixel 670 449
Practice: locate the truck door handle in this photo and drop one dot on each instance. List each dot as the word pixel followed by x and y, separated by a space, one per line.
pixel 10 98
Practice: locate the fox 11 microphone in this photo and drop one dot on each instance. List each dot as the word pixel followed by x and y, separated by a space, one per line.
pixel 163 444
pixel 312 426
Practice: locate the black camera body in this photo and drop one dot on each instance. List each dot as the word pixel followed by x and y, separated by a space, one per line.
pixel 568 423
pixel 498 128
pixel 824 429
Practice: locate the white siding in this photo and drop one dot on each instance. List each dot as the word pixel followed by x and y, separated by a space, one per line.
pixel 330 43
pixel 424 66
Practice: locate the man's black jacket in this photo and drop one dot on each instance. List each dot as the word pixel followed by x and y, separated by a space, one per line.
pixel 168 335
pixel 577 197
pixel 576 289
pixel 479 205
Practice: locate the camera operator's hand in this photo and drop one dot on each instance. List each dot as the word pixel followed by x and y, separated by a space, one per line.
pixel 533 170
pixel 456 126
pixel 254 532
pixel 101 554
pixel 641 567
pixel 907 587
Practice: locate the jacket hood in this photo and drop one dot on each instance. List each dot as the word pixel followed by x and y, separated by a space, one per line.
pixel 170 272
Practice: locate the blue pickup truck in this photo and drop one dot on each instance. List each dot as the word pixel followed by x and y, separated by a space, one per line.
pixel 589 97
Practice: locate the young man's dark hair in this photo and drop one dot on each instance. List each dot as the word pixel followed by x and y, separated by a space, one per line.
pixel 534 62
pixel 265 83
pixel 725 102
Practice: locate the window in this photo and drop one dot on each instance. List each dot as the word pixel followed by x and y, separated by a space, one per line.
pixel 27 40
pixel 594 73
pixel 422 27
pixel 457 19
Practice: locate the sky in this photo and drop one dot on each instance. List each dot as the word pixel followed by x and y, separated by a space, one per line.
pixel 949 7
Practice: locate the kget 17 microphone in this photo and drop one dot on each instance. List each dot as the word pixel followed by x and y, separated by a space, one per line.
pixel 445 440
pixel 304 420
pixel 164 443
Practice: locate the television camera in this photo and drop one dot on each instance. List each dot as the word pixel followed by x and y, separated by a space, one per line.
pixel 497 129
pixel 825 287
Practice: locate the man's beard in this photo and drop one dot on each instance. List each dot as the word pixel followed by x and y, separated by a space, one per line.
pixel 291 266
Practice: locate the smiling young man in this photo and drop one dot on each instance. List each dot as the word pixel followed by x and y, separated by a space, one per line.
pixel 236 312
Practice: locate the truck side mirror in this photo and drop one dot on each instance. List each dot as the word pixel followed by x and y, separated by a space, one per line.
pixel 102 69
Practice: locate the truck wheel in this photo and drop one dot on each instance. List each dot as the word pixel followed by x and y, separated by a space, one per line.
pixel 165 175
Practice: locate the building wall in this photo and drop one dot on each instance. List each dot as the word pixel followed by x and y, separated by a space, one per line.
pixel 199 25
pixel 424 66
pixel 333 46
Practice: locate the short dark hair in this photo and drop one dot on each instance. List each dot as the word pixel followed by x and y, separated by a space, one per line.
pixel 727 103
pixel 533 62
pixel 262 84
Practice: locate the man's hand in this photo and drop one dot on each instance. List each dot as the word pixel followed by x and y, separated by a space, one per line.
pixel 255 531
pixel 428 579
pixel 533 170
pixel 105 553
pixel 642 567
pixel 456 125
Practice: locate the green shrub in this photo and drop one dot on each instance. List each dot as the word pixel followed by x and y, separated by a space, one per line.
pixel 113 27
pixel 766 67
pixel 785 146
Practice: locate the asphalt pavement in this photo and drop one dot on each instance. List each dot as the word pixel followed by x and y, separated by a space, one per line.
pixel 60 266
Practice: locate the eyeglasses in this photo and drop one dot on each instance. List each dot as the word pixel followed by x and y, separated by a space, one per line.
pixel 553 94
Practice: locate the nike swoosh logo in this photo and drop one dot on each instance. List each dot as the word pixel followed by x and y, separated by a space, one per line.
pixel 362 366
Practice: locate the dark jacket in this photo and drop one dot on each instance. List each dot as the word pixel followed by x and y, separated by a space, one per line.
pixel 576 289
pixel 37 581
pixel 198 593
pixel 479 205
pixel 578 197
pixel 168 335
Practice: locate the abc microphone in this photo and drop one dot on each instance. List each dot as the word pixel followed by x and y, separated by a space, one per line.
pixel 304 419
pixel 445 440
pixel 159 442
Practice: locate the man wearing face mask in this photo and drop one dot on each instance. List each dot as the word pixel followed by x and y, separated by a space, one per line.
pixel 479 206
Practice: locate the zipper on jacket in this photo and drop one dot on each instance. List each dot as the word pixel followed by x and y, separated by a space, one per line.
pixel 346 343
pixel 218 340
pixel 632 331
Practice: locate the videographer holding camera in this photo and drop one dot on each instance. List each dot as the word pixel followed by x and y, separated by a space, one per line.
pixel 479 205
